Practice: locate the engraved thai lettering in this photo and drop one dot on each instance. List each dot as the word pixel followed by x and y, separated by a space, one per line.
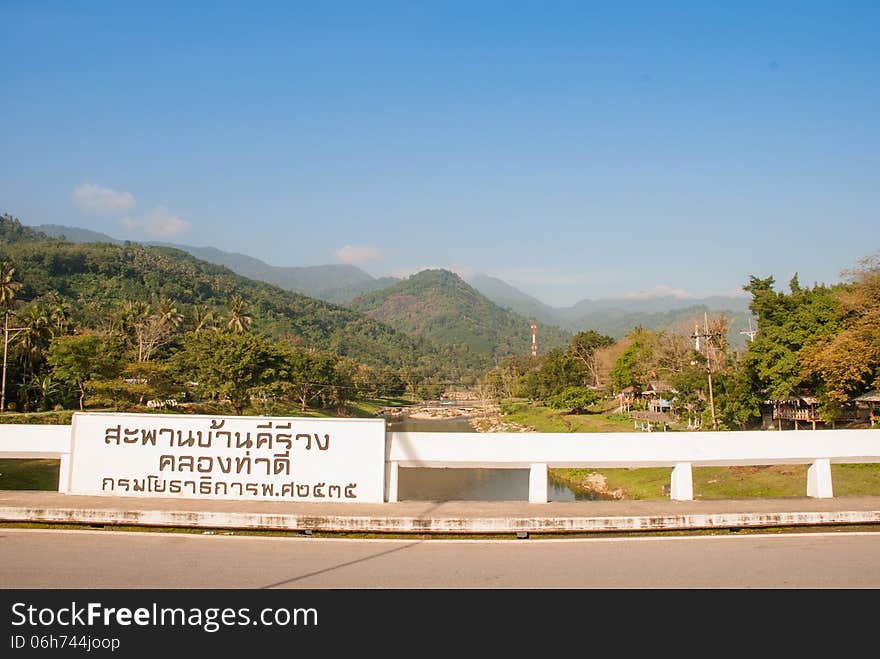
pixel 284 438
pixel 111 435
pixel 174 486
pixel 148 437
pixel 186 462
pixel 243 464
pixel 268 490
pixel 217 423
pixel 205 442
pixel 239 486
pixel 205 464
pixel 246 443
pixel 252 488
pixel 170 432
pixel 307 437
pixel 205 485
pixel 160 486
pixel 338 490
pixel 267 462
pixel 131 435
pixel 218 485
pixel 107 482
pixel 287 489
pixel 189 441
pixel 349 491
pixel 318 490
pixel 326 442
pixel 302 490
pixel 227 469
pixel 138 484
pixel 268 424
pixel 123 483
pixel 166 462
pixel 228 437
pixel 151 483
pixel 281 463
pixel 264 439
pixel 191 485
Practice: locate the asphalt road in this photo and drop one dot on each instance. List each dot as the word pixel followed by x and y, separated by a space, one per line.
pixel 104 559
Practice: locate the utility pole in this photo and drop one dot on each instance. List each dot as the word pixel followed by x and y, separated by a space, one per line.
pixel 6 330
pixel 708 336
pixel 750 332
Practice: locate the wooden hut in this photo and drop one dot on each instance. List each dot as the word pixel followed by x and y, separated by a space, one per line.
pixel 871 403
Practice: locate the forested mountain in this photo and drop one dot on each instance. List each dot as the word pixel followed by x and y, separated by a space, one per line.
pixel 340 284
pixel 337 283
pixel 95 277
pixel 439 305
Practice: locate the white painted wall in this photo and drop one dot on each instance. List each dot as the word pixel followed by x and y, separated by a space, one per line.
pixel 540 451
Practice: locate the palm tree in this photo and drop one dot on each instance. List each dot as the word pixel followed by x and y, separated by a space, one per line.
pixel 168 315
pixel 60 313
pixel 203 318
pixel 239 315
pixel 8 286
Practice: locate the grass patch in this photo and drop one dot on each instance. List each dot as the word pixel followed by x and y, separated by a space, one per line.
pixel 29 474
pixel 546 419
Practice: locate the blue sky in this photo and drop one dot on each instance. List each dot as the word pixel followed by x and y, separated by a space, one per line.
pixel 576 150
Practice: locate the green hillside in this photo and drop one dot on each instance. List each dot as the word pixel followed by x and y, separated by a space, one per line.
pixel 336 283
pixel 439 305
pixel 95 277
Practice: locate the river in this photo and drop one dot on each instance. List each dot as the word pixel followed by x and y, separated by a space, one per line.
pixel 442 484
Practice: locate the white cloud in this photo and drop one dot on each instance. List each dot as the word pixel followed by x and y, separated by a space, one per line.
pixel 157 223
pixel 661 290
pixel 93 198
pixel 358 254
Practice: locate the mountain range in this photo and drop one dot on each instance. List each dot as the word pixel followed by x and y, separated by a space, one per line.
pixel 344 284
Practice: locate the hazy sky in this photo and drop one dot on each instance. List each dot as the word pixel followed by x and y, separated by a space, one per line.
pixel 576 150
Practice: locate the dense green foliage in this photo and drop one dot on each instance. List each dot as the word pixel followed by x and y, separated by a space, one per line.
pixel 77 306
pixel 439 305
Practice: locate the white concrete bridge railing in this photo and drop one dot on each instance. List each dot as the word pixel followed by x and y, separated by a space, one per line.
pixel 539 452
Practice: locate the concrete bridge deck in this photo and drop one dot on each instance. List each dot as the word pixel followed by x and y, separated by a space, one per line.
pixel 448 517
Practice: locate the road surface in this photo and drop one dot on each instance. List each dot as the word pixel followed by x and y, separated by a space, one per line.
pixel 32 558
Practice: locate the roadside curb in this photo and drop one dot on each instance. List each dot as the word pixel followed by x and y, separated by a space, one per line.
pixel 432 524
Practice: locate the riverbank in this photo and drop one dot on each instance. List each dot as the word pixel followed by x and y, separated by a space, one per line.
pixel 483 416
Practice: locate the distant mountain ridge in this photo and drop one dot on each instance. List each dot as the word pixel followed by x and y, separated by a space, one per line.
pixel 337 283
pixel 341 284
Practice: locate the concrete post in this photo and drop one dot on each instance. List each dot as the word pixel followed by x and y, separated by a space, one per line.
pixel 391 469
pixel 819 479
pixel 538 483
pixel 681 487
pixel 64 473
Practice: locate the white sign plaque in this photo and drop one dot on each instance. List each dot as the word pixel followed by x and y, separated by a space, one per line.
pixel 228 457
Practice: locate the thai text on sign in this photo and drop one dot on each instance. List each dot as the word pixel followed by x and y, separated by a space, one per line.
pixel 201 456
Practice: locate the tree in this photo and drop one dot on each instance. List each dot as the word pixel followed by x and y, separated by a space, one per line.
pixel 76 359
pixel 583 347
pixel 848 362
pixel 228 366
pixel 788 324
pixel 575 400
pixel 9 287
pixel 239 316
pixel 636 364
